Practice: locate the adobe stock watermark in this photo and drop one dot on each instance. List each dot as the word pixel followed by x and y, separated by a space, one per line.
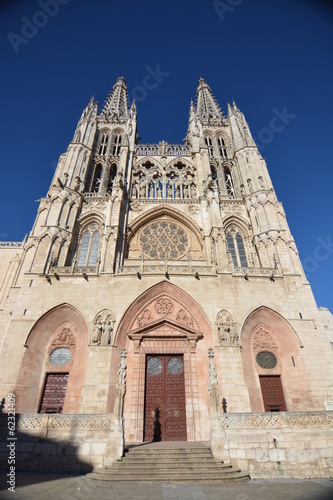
pixel 31 27
pixel 322 252
pixel 150 81
pixel 277 124
pixel 223 7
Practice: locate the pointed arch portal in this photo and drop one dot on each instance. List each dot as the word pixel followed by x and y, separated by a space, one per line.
pixel 167 397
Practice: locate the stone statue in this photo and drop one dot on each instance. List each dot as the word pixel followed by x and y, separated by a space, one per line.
pixel 107 329
pixel 98 332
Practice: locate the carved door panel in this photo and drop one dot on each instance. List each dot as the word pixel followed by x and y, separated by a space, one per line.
pixel 165 414
pixel 54 393
pixel 272 393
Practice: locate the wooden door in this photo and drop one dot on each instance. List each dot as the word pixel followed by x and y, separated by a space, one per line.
pixel 165 413
pixel 272 393
pixel 54 393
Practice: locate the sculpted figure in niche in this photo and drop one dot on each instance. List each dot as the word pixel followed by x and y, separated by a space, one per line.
pixel 103 328
pixel 77 183
pixel 107 330
pixel 98 332
pixel 142 191
pixel 169 191
pixel 226 329
pixel 134 191
pixel 186 191
pixel 151 190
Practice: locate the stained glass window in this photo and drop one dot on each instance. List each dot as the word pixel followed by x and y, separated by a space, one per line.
pixel 89 247
pixel 164 240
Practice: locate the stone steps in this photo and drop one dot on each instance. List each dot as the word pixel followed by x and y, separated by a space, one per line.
pixel 177 465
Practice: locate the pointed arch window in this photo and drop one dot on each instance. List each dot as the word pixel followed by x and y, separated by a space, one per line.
pixel 103 145
pixel 222 147
pixel 228 182
pixel 89 247
pixel 116 144
pixel 236 249
pixel 209 143
pixel 97 179
pixel 215 177
pixel 112 176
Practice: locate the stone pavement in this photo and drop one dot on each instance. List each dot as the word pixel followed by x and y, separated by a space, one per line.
pixel 39 486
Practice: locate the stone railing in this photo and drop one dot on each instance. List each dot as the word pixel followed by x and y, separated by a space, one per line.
pixel 168 269
pixel 11 244
pixel 42 423
pixel 158 149
pixel 274 420
pixel 63 270
pixel 270 272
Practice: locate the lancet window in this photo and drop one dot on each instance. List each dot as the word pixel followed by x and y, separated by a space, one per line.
pixel 215 179
pixel 116 144
pixel 209 143
pixel 112 176
pixel 103 145
pixel 236 248
pixel 89 247
pixel 228 182
pixel 97 178
pixel 222 147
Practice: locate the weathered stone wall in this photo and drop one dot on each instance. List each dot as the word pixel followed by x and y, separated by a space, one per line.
pixel 286 445
pixel 63 443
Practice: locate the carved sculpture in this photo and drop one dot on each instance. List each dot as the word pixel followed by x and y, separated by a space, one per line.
pixel 226 329
pixel 102 331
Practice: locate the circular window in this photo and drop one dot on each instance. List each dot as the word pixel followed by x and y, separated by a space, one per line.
pixel 164 241
pixel 154 366
pixel 175 366
pixel 60 356
pixel 266 359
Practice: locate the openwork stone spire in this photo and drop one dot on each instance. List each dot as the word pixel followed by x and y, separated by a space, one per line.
pixel 116 104
pixel 206 104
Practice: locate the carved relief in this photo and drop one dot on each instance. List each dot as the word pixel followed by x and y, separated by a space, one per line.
pixel 103 327
pixel 163 306
pixel 184 318
pixel 122 372
pixel 144 317
pixel 226 329
pixel 262 339
pixel 64 337
pixel 193 209
pixel 212 374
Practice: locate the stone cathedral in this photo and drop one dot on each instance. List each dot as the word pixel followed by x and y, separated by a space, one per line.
pixel 160 282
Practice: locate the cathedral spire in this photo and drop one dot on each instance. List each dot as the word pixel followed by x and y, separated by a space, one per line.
pixel 117 102
pixel 206 104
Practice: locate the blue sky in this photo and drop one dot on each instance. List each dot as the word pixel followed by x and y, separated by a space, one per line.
pixel 267 56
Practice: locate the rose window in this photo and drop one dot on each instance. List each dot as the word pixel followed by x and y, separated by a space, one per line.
pixel 266 359
pixel 164 241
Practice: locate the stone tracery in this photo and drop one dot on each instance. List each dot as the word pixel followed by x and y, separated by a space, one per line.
pixel 176 181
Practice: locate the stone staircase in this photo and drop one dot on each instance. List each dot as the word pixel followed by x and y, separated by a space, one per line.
pixel 176 464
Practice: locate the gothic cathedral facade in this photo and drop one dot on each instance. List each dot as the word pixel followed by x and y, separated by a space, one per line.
pixel 165 273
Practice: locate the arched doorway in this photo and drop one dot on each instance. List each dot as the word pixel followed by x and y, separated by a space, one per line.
pixel 273 363
pixel 53 367
pixel 167 340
